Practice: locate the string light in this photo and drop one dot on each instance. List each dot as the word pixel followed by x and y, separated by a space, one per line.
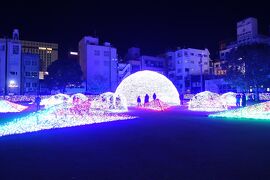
pixel 59 116
pixel 148 82
pixel 206 101
pixel 110 102
pixel 6 106
pixel 229 98
pixel 156 105
pixel 257 111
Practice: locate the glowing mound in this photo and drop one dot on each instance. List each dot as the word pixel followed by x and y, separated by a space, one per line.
pixel 78 98
pixel 148 82
pixel 55 100
pixel 6 106
pixel 110 102
pixel 257 111
pixel 59 116
pixel 206 101
pixel 229 98
pixel 156 105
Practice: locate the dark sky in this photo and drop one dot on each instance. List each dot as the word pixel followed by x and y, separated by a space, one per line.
pixel 154 26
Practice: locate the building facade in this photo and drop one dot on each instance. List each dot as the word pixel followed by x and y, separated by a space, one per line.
pixel 10 65
pixel 185 65
pixel 48 53
pixel 99 65
pixel 140 62
pixel 30 73
pixel 246 33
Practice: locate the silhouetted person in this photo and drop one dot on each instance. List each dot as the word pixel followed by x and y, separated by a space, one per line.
pixel 238 97
pixel 139 101
pixel 181 96
pixel 154 96
pixel 37 101
pixel 244 100
pixel 146 99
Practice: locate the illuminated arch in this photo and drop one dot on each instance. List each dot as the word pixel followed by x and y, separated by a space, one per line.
pixel 148 82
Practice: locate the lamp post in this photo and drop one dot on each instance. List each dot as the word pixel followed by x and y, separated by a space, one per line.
pixel 201 64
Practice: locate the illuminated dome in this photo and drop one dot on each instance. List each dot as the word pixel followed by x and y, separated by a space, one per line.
pixel 110 102
pixel 55 100
pixel 78 98
pixel 6 106
pixel 229 98
pixel 206 101
pixel 148 82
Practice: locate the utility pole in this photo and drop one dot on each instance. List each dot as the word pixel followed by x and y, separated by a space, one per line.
pixel 201 64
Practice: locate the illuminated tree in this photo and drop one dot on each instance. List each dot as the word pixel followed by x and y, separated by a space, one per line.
pixel 248 65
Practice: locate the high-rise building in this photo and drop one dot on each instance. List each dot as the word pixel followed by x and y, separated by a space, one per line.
pixel 99 65
pixel 10 65
pixel 247 33
pixel 48 53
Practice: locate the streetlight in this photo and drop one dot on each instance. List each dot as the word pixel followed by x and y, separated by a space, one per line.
pixel 201 64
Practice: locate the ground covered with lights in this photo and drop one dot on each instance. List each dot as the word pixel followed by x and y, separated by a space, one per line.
pixel 172 144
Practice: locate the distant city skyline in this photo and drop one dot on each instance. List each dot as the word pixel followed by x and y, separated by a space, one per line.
pixel 153 26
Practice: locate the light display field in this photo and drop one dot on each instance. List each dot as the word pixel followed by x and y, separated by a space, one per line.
pixel 73 111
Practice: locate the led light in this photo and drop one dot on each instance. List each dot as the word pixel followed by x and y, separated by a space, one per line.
pixel 59 116
pixel 41 48
pixel 148 82
pixel 73 53
pixel 55 100
pixel 229 99
pixel 156 105
pixel 110 102
pixel 206 101
pixel 257 111
pixel 6 106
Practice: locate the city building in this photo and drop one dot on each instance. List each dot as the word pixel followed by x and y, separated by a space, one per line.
pixel 124 70
pixel 140 62
pixel 10 65
pixel 30 73
pixel 188 68
pixel 99 65
pixel 48 53
pixel 246 33
pixel 218 68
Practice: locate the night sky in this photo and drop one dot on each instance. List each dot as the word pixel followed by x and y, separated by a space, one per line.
pixel 154 26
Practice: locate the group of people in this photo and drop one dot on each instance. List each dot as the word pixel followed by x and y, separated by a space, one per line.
pixel 238 100
pixel 146 99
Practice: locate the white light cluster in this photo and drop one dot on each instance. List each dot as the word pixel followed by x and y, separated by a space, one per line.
pixel 257 111
pixel 59 116
pixel 206 101
pixel 6 106
pixel 55 100
pixel 156 105
pixel 148 82
pixel 110 102
pixel 229 98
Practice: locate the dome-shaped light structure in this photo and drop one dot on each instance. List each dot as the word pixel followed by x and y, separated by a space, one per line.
pixel 148 82
pixel 229 98
pixel 55 100
pixel 206 101
pixel 78 98
pixel 110 102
